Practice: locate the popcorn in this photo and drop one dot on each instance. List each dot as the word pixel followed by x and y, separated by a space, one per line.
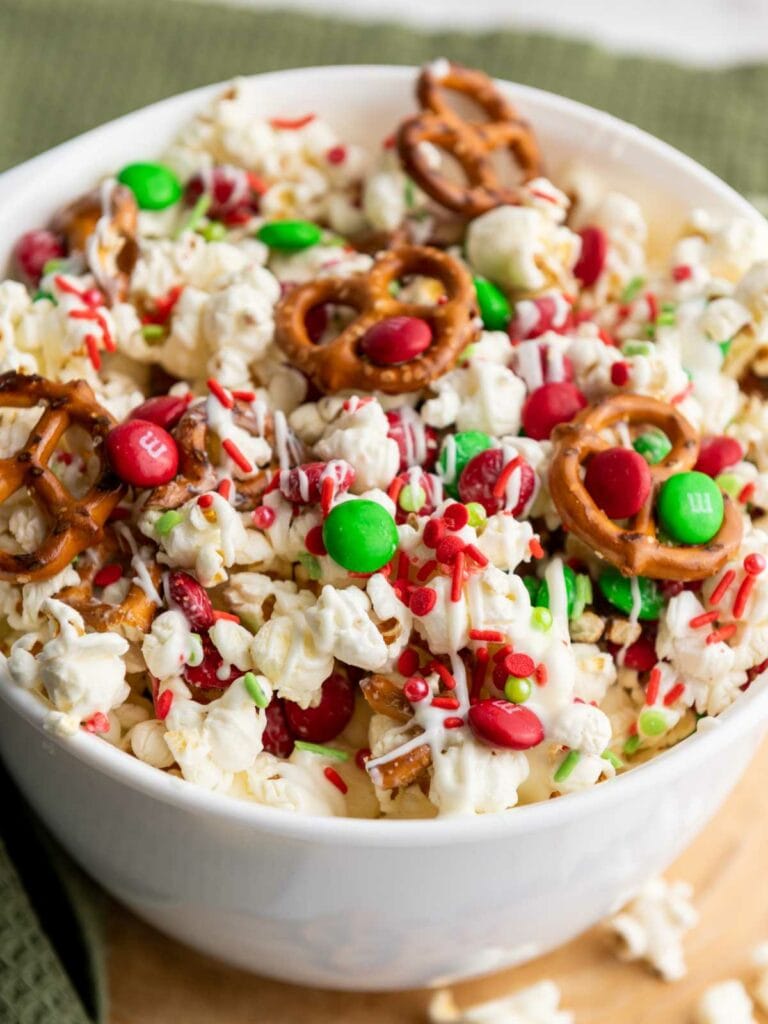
pixel 359 437
pixel 537 1004
pixel 725 1003
pixel 652 925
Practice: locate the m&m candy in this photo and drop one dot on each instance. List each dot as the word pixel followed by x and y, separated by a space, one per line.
pixel 690 508
pixel 154 187
pixel 494 305
pixel 291 235
pixel 142 453
pixel 360 535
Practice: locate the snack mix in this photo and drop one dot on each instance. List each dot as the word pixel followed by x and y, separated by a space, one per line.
pixel 346 482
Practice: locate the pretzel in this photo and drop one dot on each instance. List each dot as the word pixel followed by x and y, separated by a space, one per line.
pixel 197 446
pixel 133 616
pixel 74 523
pixel 470 143
pixel 385 698
pixel 634 548
pixel 108 245
pixel 339 365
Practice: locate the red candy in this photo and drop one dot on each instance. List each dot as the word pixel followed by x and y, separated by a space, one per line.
pixel 34 249
pixel 716 454
pixel 276 738
pixel 553 403
pixel 331 716
pixel 303 485
pixel 641 655
pixel 521 665
pixel 479 478
pixel 503 724
pixel 416 689
pixel 434 532
pixel 533 317
pixel 417 442
pixel 165 410
pixel 620 374
pixel 142 453
pixel 205 676
pixel 619 481
pixel 594 246
pixel 423 601
pixel 231 191
pixel 456 516
pixel 429 484
pixel 398 339
pixel 191 598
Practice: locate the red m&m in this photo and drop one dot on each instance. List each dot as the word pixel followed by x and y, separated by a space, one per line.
pixel 328 718
pixel 142 453
pixel 594 247
pixel 619 482
pixel 34 249
pixel 480 476
pixel 164 410
pixel 552 403
pixel 717 454
pixel 501 723
pixel 398 339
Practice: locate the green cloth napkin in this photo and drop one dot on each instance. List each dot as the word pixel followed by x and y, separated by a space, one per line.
pixel 67 65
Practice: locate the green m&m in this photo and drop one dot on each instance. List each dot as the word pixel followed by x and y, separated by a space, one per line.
pixel 457 451
pixel 569 576
pixel 155 187
pixel 494 306
pixel 653 446
pixel 360 535
pixel 690 508
pixel 618 590
pixel 289 235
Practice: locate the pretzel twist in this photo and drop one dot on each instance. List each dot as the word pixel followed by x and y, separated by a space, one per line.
pixel 340 365
pixel 384 697
pixel 634 547
pixel 74 523
pixel 470 143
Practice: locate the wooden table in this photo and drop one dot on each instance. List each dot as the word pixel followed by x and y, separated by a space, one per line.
pixel 154 980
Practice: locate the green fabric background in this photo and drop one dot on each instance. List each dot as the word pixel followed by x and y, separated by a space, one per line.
pixel 67 65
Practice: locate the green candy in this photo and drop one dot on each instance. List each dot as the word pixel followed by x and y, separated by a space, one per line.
pixel 532 585
pixel 360 535
pixel 290 235
pixel 652 723
pixel 468 444
pixel 653 446
pixel 154 186
pixel 494 307
pixel 618 590
pixel 541 619
pixel 729 483
pixel 412 498
pixel 517 690
pixel 690 508
pixel 477 514
pixel 542 598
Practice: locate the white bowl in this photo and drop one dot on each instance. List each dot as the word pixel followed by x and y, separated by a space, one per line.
pixel 369 904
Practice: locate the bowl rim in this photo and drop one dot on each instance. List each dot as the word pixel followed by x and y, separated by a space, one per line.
pixel 96 754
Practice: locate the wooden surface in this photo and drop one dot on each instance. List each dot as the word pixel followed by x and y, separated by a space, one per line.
pixel 157 981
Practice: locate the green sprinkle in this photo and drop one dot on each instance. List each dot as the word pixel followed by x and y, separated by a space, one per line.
pixel 725 346
pixel 409 193
pixel 567 765
pixel 666 320
pixel 630 747
pixel 412 498
pixel 152 331
pixel 541 618
pixel 636 348
pixel 196 214
pixel 668 307
pixel 632 290
pixel 477 514
pixel 195 655
pixel 394 288
pixel 653 723
pixel 255 692
pixel 213 231
pixel 52 266
pixel 311 565
pixel 167 521
pixel 44 295
pixel 517 689
pixel 608 755
pixel 730 484
pixel 583 595
pixel 466 353
pixel 650 330
pixel 654 446
pixel 322 751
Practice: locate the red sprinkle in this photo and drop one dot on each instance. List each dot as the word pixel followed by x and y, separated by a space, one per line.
pixel 361 757
pixel 702 620
pixel 236 455
pixel 225 489
pixel 106 575
pixel 478 672
pixel 93 351
pixel 218 392
pixel 456 516
pixel 292 123
pixel 205 500
pixel 226 616
pixel 263 517
pixel 742 596
pixel 336 155
pixel 426 570
pixel 453 723
pixel 333 776
pixel 723 633
pixel 754 564
pixel 747 492
pixel 676 692
pixel 457 581
pixel 501 654
pixel 720 590
pixel 163 704
pixel 477 556
pixel 534 546
pixel 652 689
pixel 490 636
pixel 244 396
pixel 408 662
pixel 416 689
pixel 542 675
pixel 521 665
pixel 445 703
pixel 434 532
pixel 423 600
pixel 653 306
pixel 445 676
pixel 682 273
pixel 327 494
pixel 98 722
pixel 314 541
pixel 620 374
pixel 503 478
